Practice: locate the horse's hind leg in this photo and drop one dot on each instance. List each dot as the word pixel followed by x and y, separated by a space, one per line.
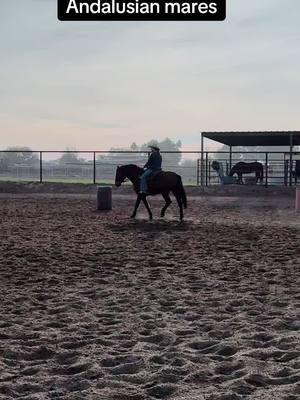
pixel 147 206
pixel 259 177
pixel 168 202
pixel 179 202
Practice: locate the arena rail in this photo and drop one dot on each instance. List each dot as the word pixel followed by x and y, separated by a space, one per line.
pixel 99 166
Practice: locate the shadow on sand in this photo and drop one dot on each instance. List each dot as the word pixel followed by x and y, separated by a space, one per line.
pixel 144 225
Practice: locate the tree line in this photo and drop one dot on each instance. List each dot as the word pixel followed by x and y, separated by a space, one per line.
pixel 23 155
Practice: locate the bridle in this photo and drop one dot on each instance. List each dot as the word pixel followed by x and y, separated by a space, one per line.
pixel 126 179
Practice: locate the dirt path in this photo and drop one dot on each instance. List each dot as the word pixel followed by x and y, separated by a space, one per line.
pixel 97 306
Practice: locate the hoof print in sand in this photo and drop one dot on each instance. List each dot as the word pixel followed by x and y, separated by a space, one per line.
pixel 161 391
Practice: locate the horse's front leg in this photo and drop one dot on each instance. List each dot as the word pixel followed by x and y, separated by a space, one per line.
pixel 137 203
pixel 147 206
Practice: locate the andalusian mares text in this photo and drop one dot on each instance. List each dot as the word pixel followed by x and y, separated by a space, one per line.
pixel 139 10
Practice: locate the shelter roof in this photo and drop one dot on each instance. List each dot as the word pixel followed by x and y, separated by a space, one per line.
pixel 255 138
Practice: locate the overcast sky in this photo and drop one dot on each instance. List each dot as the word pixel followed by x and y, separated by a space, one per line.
pixel 98 85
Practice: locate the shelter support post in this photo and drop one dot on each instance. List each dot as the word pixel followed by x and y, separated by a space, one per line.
pixel 94 168
pixel 206 169
pixel 291 160
pixel 41 166
pixel 266 169
pixel 285 170
pixel 202 161
pixel 230 157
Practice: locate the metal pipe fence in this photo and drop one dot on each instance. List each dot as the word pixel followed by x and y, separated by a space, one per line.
pixel 278 167
pixel 99 166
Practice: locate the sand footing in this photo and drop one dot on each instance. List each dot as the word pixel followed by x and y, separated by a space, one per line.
pixel 95 305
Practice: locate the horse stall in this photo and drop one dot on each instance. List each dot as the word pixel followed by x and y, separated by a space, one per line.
pixel 266 158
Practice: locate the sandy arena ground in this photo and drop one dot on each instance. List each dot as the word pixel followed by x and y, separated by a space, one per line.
pixel 97 306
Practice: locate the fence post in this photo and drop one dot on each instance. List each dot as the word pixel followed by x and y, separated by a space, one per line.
pixel 285 172
pixel 41 167
pixel 206 168
pixel 94 169
pixel 198 175
pixel 267 168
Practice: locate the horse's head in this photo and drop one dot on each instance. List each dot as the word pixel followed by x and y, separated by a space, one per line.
pixel 132 172
pixel 215 165
pixel 120 176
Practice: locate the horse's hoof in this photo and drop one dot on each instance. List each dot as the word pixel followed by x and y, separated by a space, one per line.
pixel 132 216
pixel 162 215
pixel 150 218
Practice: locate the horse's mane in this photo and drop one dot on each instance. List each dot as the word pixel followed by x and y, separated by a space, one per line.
pixel 132 168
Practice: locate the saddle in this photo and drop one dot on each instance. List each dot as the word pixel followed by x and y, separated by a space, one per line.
pixel 152 179
pixel 154 175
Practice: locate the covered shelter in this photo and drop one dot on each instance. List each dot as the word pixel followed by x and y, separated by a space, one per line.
pixel 254 138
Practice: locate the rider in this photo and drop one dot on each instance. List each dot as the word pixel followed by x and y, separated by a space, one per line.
pixel 152 165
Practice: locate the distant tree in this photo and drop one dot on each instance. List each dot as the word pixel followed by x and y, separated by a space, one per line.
pixel 117 156
pixel 187 162
pixel 19 155
pixel 70 157
pixel 120 157
pixel 134 147
pixel 166 145
pixel 101 157
pixel 145 146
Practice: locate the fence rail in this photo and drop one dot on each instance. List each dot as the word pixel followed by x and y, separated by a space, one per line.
pixel 99 166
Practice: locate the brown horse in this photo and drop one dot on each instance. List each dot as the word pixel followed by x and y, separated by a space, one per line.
pixel 247 168
pixel 162 183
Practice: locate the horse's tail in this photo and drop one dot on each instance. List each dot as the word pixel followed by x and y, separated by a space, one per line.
pixel 181 191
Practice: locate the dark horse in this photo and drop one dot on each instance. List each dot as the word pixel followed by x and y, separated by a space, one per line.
pixel 162 183
pixel 247 168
